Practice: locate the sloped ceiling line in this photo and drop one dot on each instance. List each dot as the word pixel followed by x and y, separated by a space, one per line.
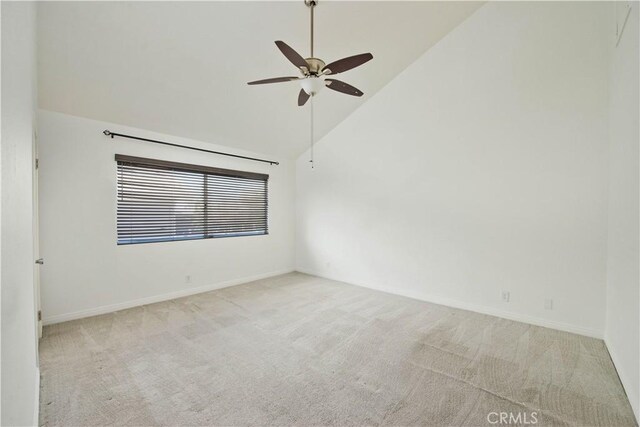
pixel 181 68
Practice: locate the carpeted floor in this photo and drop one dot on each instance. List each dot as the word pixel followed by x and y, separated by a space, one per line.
pixel 297 349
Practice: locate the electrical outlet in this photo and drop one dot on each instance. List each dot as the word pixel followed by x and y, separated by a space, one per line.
pixel 548 304
pixel 505 296
pixel 187 278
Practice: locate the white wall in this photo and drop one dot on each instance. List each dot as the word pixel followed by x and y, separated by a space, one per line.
pixel 481 168
pixel 623 280
pixel 86 272
pixel 20 375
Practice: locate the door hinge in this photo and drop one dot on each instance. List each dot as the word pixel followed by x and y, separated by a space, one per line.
pixel 39 315
pixel 37 163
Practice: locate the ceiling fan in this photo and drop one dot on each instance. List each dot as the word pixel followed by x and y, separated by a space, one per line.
pixel 314 70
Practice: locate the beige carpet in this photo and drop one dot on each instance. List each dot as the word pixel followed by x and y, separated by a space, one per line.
pixel 299 350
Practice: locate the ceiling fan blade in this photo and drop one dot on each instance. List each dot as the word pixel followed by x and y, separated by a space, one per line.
pixel 345 64
pixel 273 80
pixel 302 98
pixel 343 87
pixel 292 55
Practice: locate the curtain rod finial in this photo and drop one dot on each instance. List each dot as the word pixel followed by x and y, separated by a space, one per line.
pixel 107 133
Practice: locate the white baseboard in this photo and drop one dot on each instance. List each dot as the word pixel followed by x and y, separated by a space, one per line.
pixel 624 379
pixel 36 403
pixel 156 298
pixel 436 299
pixel 440 300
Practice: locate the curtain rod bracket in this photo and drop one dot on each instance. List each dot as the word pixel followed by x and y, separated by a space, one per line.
pixel 107 132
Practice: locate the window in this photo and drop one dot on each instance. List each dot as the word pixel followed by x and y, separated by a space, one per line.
pixel 162 201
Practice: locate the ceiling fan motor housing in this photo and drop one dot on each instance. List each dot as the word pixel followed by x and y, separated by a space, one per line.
pixel 315 65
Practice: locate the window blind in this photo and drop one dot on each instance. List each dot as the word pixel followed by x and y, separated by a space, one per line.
pixel 165 201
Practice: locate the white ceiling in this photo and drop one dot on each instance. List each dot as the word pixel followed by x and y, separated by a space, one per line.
pixel 181 67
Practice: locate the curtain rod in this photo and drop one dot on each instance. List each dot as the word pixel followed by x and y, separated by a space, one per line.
pixel 112 134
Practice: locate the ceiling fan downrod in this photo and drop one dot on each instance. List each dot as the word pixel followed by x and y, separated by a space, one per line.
pixel 311 4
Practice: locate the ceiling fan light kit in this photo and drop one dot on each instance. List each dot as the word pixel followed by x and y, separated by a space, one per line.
pixel 314 70
pixel 312 84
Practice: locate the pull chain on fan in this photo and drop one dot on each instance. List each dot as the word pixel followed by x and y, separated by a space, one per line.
pixel 311 133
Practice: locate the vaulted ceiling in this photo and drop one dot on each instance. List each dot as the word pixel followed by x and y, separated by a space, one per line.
pixel 181 67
